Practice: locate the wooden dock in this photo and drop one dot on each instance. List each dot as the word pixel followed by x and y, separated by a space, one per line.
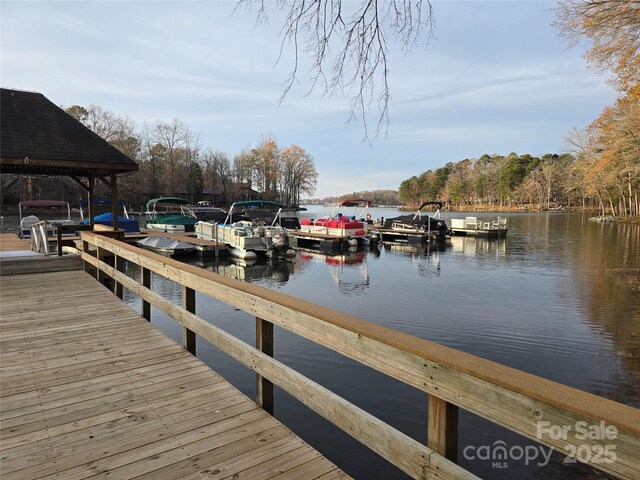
pixel 90 389
pixel 318 241
pixel 10 242
pixel 472 227
pixel 410 237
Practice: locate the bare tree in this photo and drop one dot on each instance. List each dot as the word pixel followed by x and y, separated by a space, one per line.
pixel 172 136
pixel 218 171
pixel 298 175
pixel 113 128
pixel 243 166
pixel 614 28
pixel 120 131
pixel 191 154
pixel 359 33
pixel 267 166
pixel 223 170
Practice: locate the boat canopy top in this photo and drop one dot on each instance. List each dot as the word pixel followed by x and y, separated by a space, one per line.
pixel 168 200
pixel 100 201
pixel 418 220
pixel 354 202
pixel 43 203
pixel 26 204
pixel 257 204
pixel 439 204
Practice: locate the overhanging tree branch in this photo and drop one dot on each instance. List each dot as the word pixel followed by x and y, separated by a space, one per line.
pixel 349 52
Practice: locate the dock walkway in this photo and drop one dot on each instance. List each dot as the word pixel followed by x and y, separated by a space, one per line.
pixel 90 389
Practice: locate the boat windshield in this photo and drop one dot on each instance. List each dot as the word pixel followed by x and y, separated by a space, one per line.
pixel 167 205
pixel 356 204
pixel 166 201
pixel 254 205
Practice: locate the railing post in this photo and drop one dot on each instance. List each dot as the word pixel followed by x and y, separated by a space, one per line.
pixel 46 239
pixel 85 249
pixel 119 266
pixel 99 256
pixel 59 239
pixel 264 343
pixel 145 307
pixel 189 304
pixel 442 430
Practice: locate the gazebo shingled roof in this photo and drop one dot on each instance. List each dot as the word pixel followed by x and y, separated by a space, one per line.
pixel 39 138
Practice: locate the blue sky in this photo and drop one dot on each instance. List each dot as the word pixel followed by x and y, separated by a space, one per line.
pixel 496 79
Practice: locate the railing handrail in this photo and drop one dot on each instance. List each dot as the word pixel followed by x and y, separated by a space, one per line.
pixel 461 379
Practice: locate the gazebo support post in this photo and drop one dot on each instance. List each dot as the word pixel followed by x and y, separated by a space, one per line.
pixel 92 183
pixel 112 185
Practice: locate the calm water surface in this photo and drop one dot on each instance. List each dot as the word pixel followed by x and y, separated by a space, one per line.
pixel 552 299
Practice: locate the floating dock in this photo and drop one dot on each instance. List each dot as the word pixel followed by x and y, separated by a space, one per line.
pixel 319 241
pixel 410 237
pixel 471 226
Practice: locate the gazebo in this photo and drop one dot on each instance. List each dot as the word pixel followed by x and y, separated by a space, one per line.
pixel 39 138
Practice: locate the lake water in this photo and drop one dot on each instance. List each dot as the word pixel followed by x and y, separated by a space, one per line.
pixel 553 299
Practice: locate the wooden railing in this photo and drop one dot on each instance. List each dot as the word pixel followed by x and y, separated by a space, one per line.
pixel 61 229
pixel 452 379
pixel 40 237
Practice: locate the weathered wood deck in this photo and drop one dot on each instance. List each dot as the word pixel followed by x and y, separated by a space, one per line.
pixel 90 389
pixel 10 242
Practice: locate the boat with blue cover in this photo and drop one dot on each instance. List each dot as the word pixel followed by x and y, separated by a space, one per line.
pixel 126 223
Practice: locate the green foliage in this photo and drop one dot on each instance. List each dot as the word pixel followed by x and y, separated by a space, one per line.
pixel 495 180
pixel 79 113
pixel 514 172
pixel 377 197
pixel 172 162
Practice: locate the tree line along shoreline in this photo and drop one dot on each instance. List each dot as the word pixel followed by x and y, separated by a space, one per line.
pixel 517 182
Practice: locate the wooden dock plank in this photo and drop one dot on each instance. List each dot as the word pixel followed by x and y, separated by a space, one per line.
pixel 266 469
pixel 134 429
pixel 90 389
pixel 140 433
pixel 10 242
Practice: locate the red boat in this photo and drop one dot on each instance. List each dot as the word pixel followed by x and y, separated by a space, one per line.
pixel 338 224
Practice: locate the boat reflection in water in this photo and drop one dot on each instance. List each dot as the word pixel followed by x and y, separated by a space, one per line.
pixel 477 246
pixel 256 270
pixel 348 269
pixel 424 258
